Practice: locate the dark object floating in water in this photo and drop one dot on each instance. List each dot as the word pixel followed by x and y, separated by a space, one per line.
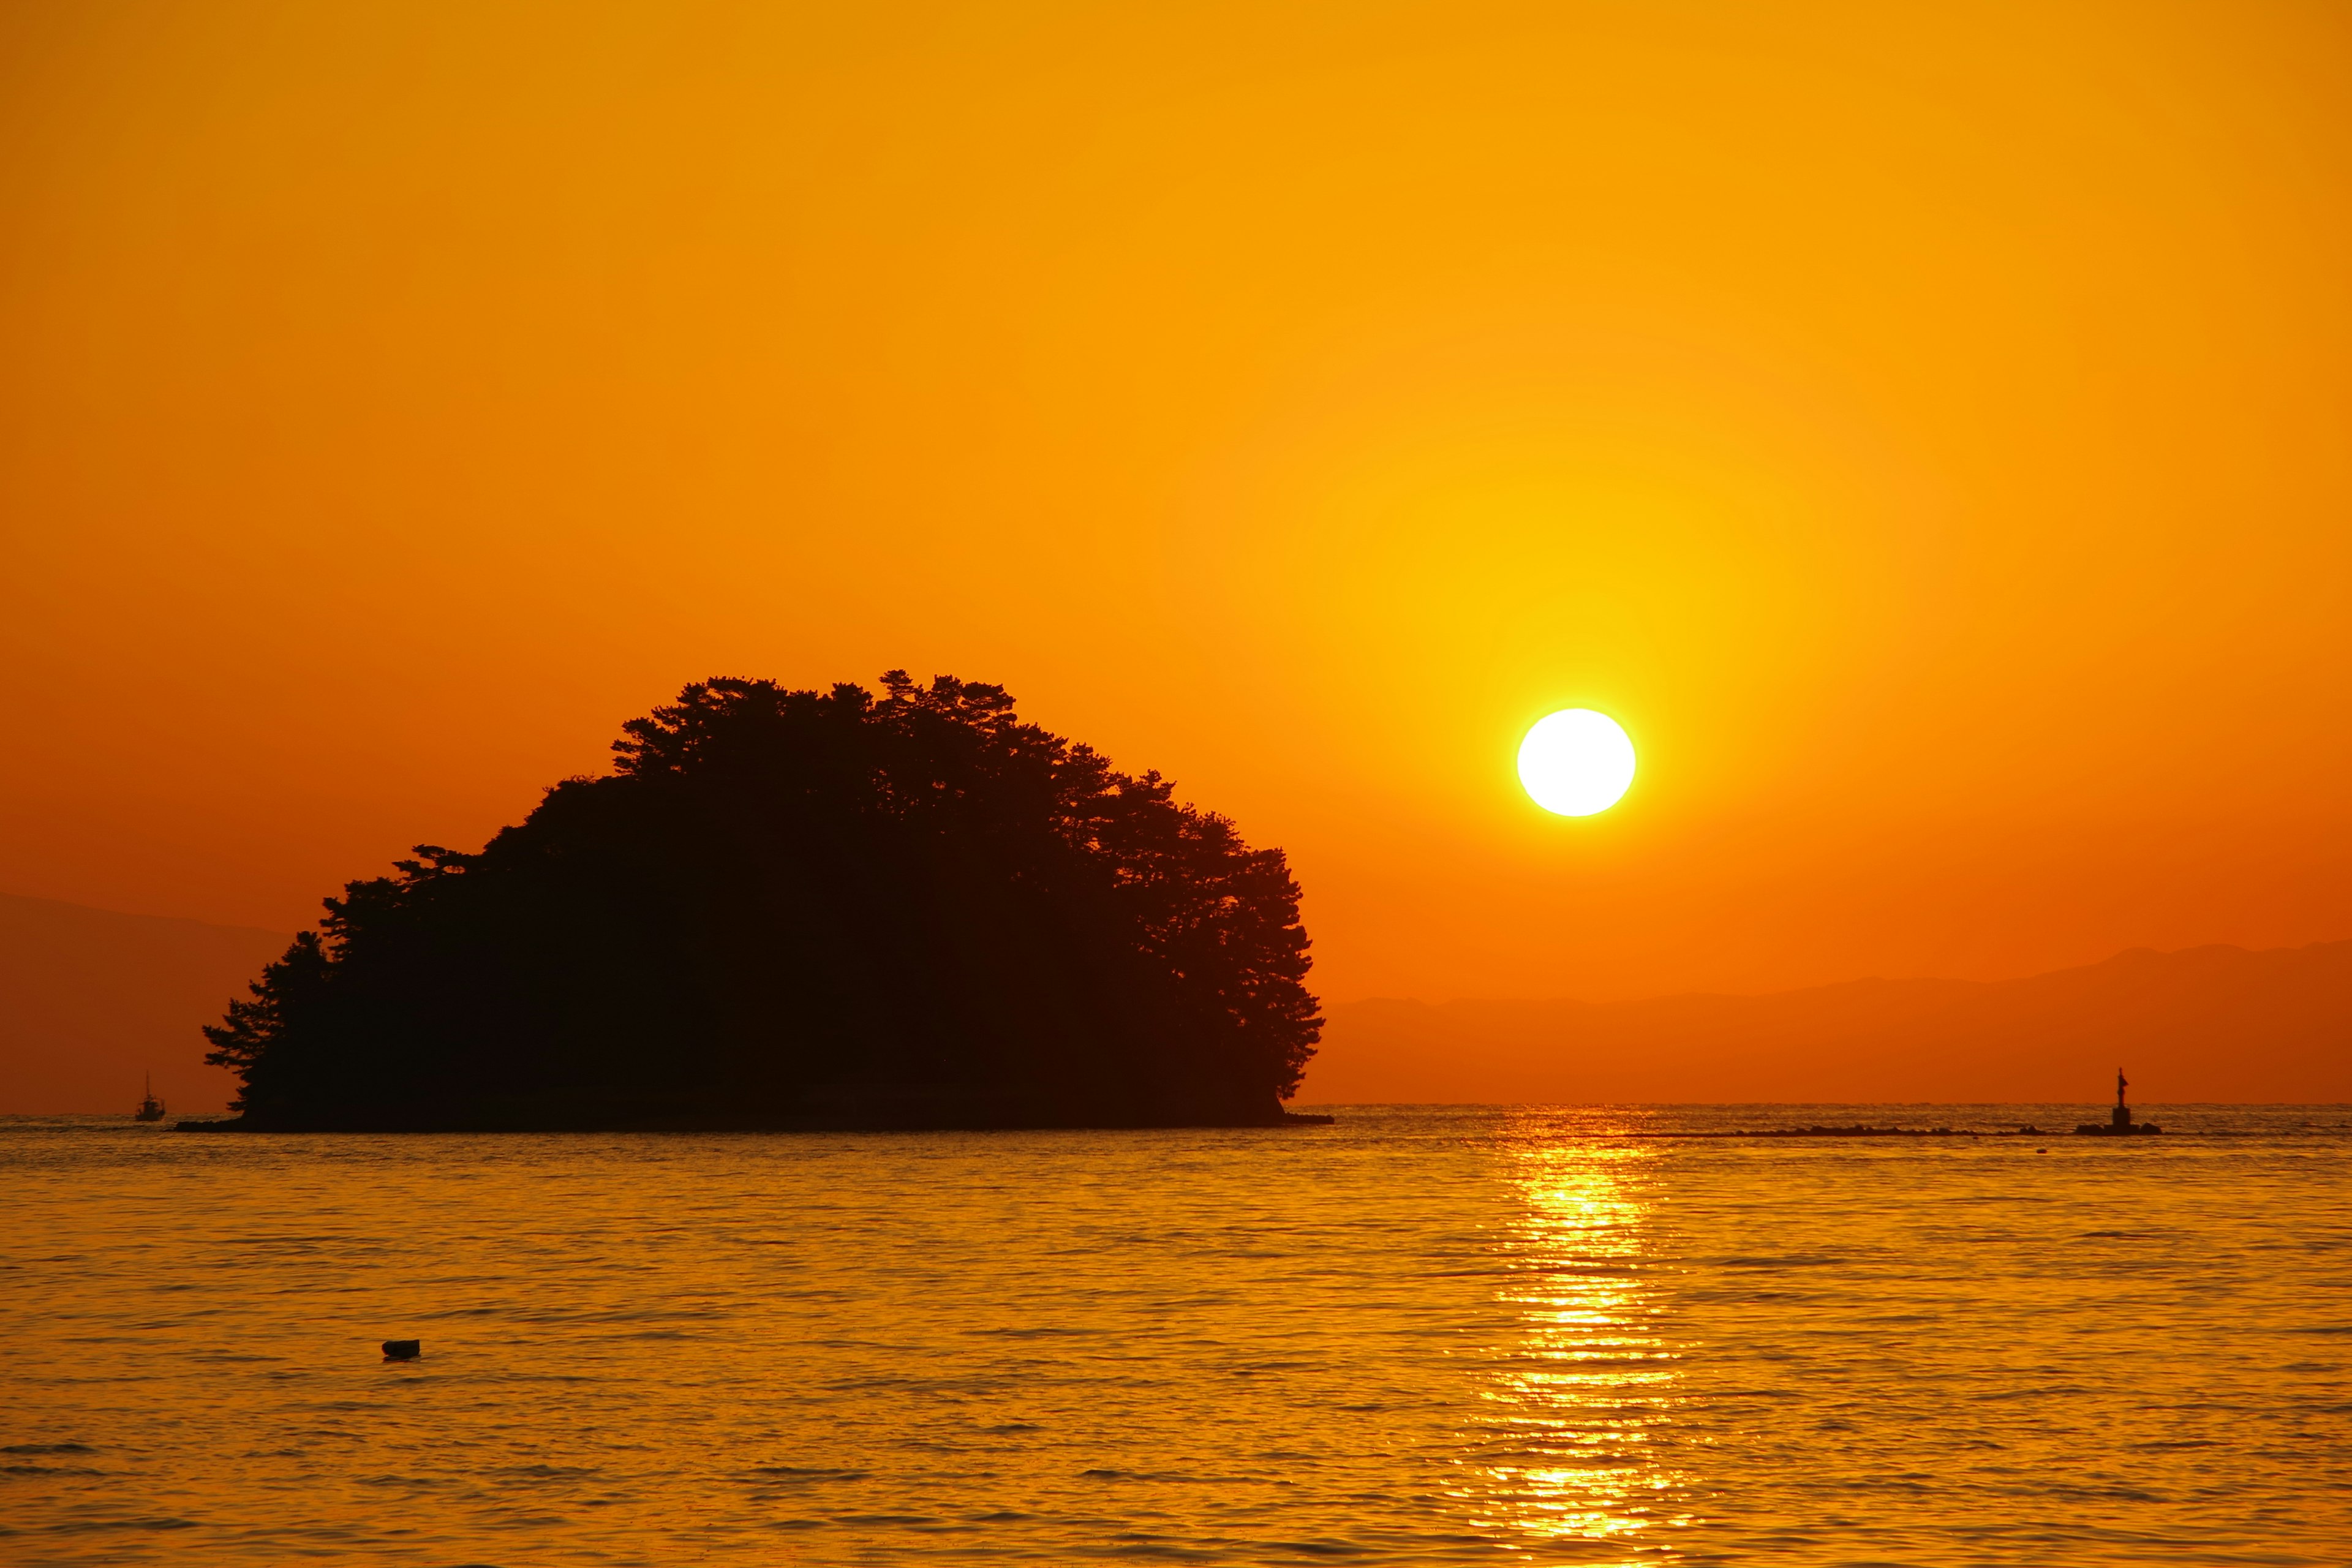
pixel 802 910
pixel 403 1349
pixel 150 1107
pixel 2119 1122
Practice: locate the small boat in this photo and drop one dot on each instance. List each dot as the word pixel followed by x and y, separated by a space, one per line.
pixel 150 1108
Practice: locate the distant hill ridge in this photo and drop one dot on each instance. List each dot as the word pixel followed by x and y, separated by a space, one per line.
pixel 2220 1024
pixel 91 999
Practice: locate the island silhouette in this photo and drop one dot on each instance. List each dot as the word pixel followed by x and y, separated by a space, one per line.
pixel 802 910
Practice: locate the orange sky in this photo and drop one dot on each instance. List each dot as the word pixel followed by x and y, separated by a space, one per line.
pixel 1925 429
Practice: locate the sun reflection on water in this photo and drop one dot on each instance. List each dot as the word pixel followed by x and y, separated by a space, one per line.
pixel 1568 1464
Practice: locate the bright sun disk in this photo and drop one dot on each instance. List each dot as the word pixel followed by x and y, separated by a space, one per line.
pixel 1576 762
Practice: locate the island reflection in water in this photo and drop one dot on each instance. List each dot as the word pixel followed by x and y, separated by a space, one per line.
pixel 1567 1459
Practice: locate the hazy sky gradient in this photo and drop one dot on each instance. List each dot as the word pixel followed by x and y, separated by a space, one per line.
pixel 1924 429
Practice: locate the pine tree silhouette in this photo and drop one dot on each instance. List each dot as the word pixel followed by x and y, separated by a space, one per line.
pixel 804 909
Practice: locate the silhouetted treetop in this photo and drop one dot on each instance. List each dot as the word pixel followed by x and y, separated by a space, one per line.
pixel 800 908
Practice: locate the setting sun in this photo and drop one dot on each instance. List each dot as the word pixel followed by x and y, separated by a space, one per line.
pixel 1576 762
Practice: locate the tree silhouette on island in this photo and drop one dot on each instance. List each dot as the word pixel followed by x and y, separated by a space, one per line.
pixel 802 910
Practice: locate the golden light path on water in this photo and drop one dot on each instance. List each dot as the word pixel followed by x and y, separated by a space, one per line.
pixel 1569 1457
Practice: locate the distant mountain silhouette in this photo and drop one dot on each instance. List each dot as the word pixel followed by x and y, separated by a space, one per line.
pixel 90 999
pixel 801 908
pixel 2204 1023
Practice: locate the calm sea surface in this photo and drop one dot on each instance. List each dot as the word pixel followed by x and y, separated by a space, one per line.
pixel 1419 1336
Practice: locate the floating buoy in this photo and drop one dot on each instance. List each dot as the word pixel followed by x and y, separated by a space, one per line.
pixel 403 1349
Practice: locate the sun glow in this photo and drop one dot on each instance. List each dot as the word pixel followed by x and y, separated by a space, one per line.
pixel 1576 762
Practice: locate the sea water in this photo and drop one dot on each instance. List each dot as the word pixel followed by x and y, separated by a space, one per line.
pixel 1416 1336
